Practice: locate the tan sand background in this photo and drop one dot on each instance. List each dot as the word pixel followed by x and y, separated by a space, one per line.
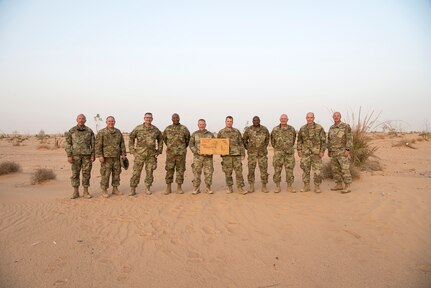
pixel 377 236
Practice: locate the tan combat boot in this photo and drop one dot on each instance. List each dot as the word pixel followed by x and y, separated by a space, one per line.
pixel 132 191
pixel 105 193
pixel 264 190
pixel 168 189
pixel 317 188
pixel 86 194
pixel 240 190
pixel 290 189
pixel 196 190
pixel 116 191
pixel 208 189
pixel 147 189
pixel 306 187
pixel 179 190
pixel 277 188
pixel 75 193
pixel 346 189
pixel 251 188
pixel 229 190
pixel 338 187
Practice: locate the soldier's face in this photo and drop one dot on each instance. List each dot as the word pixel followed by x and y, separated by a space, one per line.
pixel 336 117
pixel 202 125
pixel 310 118
pixel 81 120
pixel 175 119
pixel 283 120
pixel 110 123
pixel 148 119
pixel 256 121
pixel 229 123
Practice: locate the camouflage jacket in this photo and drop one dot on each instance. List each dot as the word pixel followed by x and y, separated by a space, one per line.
pixel 236 146
pixel 195 140
pixel 311 139
pixel 283 139
pixel 340 137
pixel 176 138
pixel 256 140
pixel 110 143
pixel 148 140
pixel 80 141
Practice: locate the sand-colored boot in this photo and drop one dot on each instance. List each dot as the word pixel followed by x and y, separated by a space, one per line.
pixel 317 188
pixel 208 189
pixel 264 189
pixel 179 189
pixel 338 187
pixel 75 193
pixel 290 188
pixel 251 188
pixel 229 189
pixel 306 187
pixel 116 191
pixel 147 189
pixel 240 190
pixel 277 188
pixel 132 191
pixel 346 189
pixel 168 189
pixel 196 190
pixel 86 194
pixel 105 193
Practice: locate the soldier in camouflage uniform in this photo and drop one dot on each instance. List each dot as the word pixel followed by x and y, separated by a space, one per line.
pixel 311 147
pixel 256 139
pixel 233 161
pixel 110 148
pixel 80 153
pixel 283 138
pixel 176 138
pixel 201 161
pixel 340 141
pixel 145 143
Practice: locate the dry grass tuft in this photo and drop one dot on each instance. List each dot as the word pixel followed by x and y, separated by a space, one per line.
pixel 8 167
pixel 405 143
pixel 42 175
pixel 43 147
pixel 425 136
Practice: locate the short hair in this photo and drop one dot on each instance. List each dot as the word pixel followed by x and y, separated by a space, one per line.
pixel 229 117
pixel 113 118
pixel 149 113
pixel 202 120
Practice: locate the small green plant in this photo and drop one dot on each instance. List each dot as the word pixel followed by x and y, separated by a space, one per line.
pixel 8 167
pixel 42 175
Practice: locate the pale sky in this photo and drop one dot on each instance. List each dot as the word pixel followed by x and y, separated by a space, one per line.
pixel 210 59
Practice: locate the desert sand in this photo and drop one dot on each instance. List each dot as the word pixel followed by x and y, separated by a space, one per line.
pixel 377 236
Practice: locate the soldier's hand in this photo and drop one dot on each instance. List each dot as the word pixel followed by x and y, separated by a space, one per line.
pixel 70 159
pixel 300 154
pixel 346 153
pixel 321 154
pixel 92 158
pixel 242 157
pixel 101 159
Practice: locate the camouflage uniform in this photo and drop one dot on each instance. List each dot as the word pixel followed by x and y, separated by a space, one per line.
pixel 340 139
pixel 149 144
pixel 283 140
pixel 311 142
pixel 233 161
pixel 176 138
pixel 110 145
pixel 200 162
pixel 256 140
pixel 80 146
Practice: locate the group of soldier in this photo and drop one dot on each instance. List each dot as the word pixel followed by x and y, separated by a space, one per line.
pixel 146 144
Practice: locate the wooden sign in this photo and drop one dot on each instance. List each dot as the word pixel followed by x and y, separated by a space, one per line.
pixel 218 146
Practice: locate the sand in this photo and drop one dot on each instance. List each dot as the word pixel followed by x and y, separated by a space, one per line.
pixel 377 236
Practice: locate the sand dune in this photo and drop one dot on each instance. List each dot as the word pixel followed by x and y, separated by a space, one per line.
pixel 377 236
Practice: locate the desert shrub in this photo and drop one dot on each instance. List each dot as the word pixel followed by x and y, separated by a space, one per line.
pixel 372 165
pixel 425 136
pixel 327 171
pixel 43 147
pixel 42 175
pixel 7 167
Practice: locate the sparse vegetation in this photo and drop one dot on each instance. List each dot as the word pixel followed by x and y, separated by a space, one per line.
pixel 405 143
pixel 327 171
pixel 8 167
pixel 42 175
pixel 43 147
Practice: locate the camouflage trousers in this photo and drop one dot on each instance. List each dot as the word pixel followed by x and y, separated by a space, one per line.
pixel 340 166
pixel 150 163
pixel 283 159
pixel 110 166
pixel 311 161
pixel 81 163
pixel 204 163
pixel 175 163
pixel 262 160
pixel 229 164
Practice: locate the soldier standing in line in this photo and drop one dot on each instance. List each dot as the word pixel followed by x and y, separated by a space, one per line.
pixel 311 147
pixel 233 161
pixel 256 139
pixel 283 138
pixel 80 153
pixel 145 143
pixel 110 148
pixel 201 161
pixel 340 141
pixel 176 138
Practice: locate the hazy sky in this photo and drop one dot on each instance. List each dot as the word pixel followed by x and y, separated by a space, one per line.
pixel 210 59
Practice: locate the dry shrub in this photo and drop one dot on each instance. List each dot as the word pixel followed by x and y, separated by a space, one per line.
pixel 327 171
pixel 372 165
pixel 43 147
pixel 425 136
pixel 42 175
pixel 8 167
